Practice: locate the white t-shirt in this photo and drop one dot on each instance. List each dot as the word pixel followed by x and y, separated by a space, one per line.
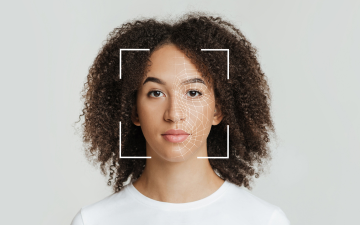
pixel 230 204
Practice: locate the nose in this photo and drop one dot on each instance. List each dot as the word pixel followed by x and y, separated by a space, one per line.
pixel 175 110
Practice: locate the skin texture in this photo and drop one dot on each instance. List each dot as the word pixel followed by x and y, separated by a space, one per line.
pixel 174 173
pixel 243 101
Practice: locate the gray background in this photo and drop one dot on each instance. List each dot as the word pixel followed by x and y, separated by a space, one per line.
pixel 308 49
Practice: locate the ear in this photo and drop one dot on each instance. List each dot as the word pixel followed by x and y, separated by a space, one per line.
pixel 135 117
pixel 218 116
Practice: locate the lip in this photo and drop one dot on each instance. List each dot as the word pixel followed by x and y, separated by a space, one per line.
pixel 175 132
pixel 175 136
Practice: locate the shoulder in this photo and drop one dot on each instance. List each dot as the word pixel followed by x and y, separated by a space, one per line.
pixel 242 197
pixel 77 219
pixel 279 218
pixel 242 200
pixel 90 214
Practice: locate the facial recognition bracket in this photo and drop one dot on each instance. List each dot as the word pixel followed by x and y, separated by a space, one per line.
pixel 227 126
pixel 129 157
pixel 130 49
pixel 149 157
pixel 227 50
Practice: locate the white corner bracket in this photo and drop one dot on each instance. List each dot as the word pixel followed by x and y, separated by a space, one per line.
pixel 227 50
pixel 129 157
pixel 130 49
pixel 227 138
pixel 142 157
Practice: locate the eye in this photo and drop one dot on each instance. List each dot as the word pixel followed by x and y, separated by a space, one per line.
pixel 194 93
pixel 155 94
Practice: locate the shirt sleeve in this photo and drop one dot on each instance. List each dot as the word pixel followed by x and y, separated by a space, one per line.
pixel 77 219
pixel 279 218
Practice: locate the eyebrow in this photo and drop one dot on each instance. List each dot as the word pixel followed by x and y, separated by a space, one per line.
pixel 189 81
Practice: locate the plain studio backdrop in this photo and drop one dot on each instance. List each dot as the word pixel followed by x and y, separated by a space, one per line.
pixel 309 51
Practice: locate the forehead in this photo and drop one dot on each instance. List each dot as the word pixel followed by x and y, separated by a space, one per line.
pixel 169 54
pixel 169 66
pixel 169 62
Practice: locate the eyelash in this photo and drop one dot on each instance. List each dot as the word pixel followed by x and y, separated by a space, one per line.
pixel 199 93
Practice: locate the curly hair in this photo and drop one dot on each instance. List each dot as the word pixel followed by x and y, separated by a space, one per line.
pixel 243 99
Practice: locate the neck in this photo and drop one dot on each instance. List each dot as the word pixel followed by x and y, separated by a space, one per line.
pixel 178 182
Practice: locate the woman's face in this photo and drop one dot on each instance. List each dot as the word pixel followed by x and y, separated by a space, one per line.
pixel 175 97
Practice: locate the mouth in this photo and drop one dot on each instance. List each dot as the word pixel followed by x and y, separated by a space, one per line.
pixel 175 136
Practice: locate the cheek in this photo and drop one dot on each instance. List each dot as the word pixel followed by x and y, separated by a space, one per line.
pixel 148 118
pixel 200 112
pixel 199 122
pixel 146 111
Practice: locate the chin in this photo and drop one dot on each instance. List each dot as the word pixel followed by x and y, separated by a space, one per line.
pixel 175 154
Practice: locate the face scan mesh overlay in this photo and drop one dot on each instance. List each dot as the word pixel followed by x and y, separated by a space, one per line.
pixel 192 108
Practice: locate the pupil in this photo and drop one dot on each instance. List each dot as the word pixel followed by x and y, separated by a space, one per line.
pixel 157 93
pixel 192 93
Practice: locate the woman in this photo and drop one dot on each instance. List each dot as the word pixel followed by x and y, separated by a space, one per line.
pixel 177 101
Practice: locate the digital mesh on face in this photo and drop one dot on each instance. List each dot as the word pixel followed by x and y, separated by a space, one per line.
pixel 178 98
pixel 193 107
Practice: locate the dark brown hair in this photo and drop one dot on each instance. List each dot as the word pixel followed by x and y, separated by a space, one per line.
pixel 243 99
